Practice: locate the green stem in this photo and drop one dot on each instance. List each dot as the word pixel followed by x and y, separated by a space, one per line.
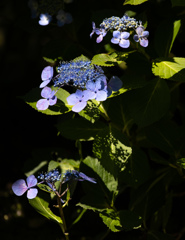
pixel 63 226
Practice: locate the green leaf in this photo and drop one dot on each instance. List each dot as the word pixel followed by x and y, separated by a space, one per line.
pixel 79 128
pixel 170 68
pixel 179 3
pixel 112 148
pixel 122 220
pixel 168 28
pixel 33 96
pixel 108 179
pixel 104 60
pixel 137 169
pixel 134 2
pixel 148 104
pixel 111 219
pixel 42 206
pixel 181 162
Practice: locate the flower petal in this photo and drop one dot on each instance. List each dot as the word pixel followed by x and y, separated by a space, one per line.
pixel 99 39
pixel 31 181
pixel 115 40
pixel 47 73
pixel 124 43
pixel 125 35
pixel 90 85
pixel 72 99
pixel 42 104
pixel 116 34
pixel 136 38
pixel 79 106
pixel 53 101
pixel 44 83
pixel 144 42
pixel 45 93
pixel 101 96
pixel 85 177
pixel 145 34
pixel 19 187
pixel 115 83
pixel 32 193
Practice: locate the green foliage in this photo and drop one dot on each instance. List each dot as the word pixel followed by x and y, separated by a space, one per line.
pixel 134 2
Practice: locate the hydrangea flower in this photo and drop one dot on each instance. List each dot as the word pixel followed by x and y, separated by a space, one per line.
pixel 63 18
pixel 70 175
pixel 121 38
pixel 94 29
pixel 21 186
pixel 45 19
pixel 51 176
pixel 97 88
pixel 141 36
pixel 79 99
pixel 49 99
pixel 102 33
pixel 46 76
pixel 114 85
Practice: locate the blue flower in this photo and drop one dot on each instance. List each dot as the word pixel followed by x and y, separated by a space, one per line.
pixel 114 85
pixel 50 99
pixel 94 29
pixel 50 177
pixel 79 99
pixel 121 39
pixel 45 19
pixel 97 88
pixel 21 186
pixel 63 18
pixel 70 175
pixel 102 33
pixel 46 76
pixel 141 36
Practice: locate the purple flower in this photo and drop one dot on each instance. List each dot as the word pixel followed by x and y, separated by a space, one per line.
pixel 141 36
pixel 101 32
pixel 98 89
pixel 45 19
pixel 94 29
pixel 21 186
pixel 63 18
pixel 50 99
pixel 46 76
pixel 79 99
pixel 114 85
pixel 78 176
pixel 121 39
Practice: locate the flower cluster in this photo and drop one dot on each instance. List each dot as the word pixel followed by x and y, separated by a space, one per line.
pixel 21 186
pixel 120 27
pixel 47 9
pixel 71 175
pixel 89 79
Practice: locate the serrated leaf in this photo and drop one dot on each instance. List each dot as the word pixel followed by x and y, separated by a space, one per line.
pixel 111 219
pixel 42 206
pixel 170 68
pixel 122 220
pixel 112 148
pixel 134 2
pixel 108 179
pixel 148 104
pixel 79 128
pixel 104 60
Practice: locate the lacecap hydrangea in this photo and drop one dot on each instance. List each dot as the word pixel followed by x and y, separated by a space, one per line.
pixel 122 28
pixel 88 79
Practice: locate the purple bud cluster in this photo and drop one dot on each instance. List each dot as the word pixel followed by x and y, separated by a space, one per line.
pixel 120 27
pixel 47 9
pixel 87 78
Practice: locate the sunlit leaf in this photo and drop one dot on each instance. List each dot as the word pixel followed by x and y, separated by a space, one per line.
pixel 134 2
